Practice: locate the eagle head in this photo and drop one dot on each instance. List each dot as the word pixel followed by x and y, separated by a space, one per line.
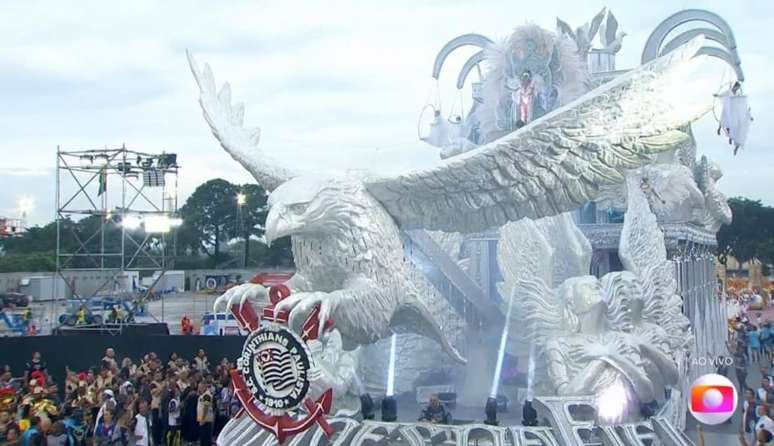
pixel 309 205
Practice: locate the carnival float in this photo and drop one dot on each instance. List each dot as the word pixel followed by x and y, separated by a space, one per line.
pixel 567 229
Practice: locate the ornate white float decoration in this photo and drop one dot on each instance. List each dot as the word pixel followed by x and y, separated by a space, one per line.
pixel 558 148
pixel 624 330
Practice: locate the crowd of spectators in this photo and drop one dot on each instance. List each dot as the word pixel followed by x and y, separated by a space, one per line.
pixel 151 402
pixel 751 342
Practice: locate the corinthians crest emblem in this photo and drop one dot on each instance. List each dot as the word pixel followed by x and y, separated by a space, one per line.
pixel 272 375
pixel 275 365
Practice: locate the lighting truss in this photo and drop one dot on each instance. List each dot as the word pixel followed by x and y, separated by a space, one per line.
pixel 107 185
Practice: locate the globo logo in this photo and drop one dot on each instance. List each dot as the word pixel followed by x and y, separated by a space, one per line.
pixel 713 399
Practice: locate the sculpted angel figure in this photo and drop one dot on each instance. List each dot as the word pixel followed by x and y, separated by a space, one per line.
pixel 625 328
pixel 582 355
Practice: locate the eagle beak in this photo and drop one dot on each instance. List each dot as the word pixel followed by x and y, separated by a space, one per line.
pixel 276 226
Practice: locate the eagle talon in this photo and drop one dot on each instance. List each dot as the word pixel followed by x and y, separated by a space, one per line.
pixel 239 295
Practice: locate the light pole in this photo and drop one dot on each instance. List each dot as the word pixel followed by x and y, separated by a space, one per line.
pixel 241 199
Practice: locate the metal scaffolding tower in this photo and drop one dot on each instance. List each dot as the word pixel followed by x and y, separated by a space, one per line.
pixel 116 211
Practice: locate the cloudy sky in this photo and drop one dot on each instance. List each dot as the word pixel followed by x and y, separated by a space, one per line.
pixel 333 85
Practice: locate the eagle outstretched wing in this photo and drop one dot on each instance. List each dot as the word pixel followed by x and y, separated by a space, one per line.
pixel 226 121
pixel 557 162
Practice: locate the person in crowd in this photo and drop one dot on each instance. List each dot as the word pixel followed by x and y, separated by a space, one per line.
pixel 765 339
pixel 435 412
pixel 740 367
pixel 149 402
pixel 200 361
pixel 205 414
pixel 754 344
pixel 763 422
pixel 106 432
pixel 741 336
pixel 12 436
pixel 186 327
pixel 80 316
pixel 173 436
pixel 6 421
pixel 27 316
pixel 765 374
pixel 124 423
pixel 765 393
pixel 224 403
pixel 58 435
pixel 35 435
pixel 172 363
pixel 5 376
pixel 110 359
pixel 763 438
pixel 113 317
pixel 749 412
pixel 190 427
pixel 35 365
pixel 142 426
pixel 157 390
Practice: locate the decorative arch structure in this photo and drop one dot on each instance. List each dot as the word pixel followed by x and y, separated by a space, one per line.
pixel 477 40
pixel 724 36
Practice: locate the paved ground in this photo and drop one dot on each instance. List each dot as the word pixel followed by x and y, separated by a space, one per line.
pixel 170 308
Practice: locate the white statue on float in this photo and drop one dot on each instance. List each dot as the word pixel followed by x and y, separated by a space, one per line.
pixel 625 330
pixel 345 229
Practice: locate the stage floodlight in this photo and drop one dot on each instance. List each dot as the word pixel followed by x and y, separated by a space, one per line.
pixel 157 224
pixel 131 222
pixel 153 178
pixel 167 160
pixel 528 414
pixel 612 403
pixel 389 409
pixel 367 406
pixel 490 410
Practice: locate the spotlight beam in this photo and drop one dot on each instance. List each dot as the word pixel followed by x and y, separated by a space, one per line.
pixel 501 351
pixel 391 369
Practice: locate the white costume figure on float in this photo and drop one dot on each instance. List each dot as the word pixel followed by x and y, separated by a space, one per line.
pixel 735 117
pixel 345 229
pixel 523 96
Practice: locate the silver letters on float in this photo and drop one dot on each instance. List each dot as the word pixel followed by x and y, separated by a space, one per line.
pixel 565 429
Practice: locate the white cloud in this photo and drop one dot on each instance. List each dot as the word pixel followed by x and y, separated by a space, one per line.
pixel 333 85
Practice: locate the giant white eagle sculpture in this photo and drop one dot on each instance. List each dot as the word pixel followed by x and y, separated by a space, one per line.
pixel 345 229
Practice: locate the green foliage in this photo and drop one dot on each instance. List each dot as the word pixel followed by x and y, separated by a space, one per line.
pixel 751 233
pixel 30 262
pixel 208 215
pixel 211 218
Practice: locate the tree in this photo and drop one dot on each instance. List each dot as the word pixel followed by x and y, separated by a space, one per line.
pixel 211 218
pixel 750 234
pixel 251 215
pixel 208 214
pixel 30 262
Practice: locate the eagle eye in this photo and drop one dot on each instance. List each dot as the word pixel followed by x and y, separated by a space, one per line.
pixel 298 208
